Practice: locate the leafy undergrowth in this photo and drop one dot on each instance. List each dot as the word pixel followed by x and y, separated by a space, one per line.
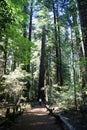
pixel 77 119
pixel 7 122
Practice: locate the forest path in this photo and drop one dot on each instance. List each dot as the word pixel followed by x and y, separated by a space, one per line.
pixel 37 118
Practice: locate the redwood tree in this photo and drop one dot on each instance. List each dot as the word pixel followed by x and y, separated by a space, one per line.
pixel 42 67
pixel 82 6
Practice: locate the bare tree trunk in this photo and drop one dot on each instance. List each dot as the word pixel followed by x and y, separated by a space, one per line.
pixel 59 78
pixel 82 6
pixel 30 31
pixel 73 70
pixel 42 67
pixel 24 24
pixel 30 24
pixel 56 43
pixel 59 50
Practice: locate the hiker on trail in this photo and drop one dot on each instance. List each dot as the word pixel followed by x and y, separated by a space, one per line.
pixel 40 101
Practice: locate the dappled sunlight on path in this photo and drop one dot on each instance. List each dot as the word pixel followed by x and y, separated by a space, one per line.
pixel 37 118
pixel 39 111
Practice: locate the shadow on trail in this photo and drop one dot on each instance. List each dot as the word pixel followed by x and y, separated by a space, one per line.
pixel 36 119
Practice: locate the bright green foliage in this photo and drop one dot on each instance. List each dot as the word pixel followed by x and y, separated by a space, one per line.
pixel 12 18
pixel 6 17
pixel 12 85
pixel 19 44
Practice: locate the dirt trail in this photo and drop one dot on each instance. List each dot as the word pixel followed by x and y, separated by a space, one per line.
pixel 36 119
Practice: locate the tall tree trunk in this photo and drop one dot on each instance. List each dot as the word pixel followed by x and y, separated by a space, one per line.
pixel 59 78
pixel 56 42
pixel 73 69
pixel 30 31
pixel 59 50
pixel 46 77
pixel 24 24
pixel 42 67
pixel 82 6
pixel 30 24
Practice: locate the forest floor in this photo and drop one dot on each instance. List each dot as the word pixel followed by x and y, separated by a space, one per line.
pixel 37 118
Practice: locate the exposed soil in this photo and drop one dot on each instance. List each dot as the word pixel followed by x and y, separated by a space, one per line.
pixel 37 118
